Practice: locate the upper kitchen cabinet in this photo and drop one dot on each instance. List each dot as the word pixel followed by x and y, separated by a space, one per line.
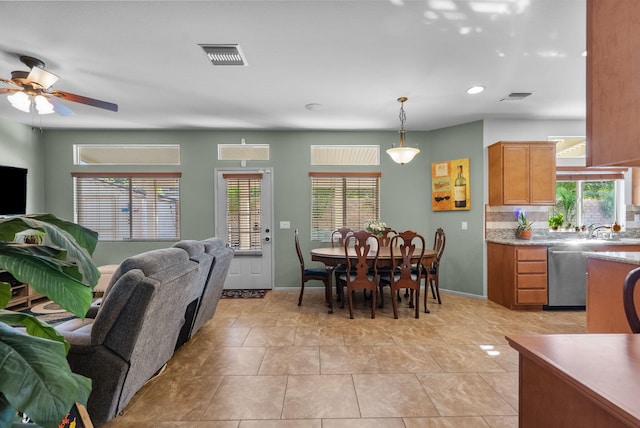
pixel 613 87
pixel 522 173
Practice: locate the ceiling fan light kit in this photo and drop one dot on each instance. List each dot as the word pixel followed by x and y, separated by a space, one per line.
pixel 402 154
pixel 21 101
pixel 32 88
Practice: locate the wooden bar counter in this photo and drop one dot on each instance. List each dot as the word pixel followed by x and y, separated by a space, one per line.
pixel 581 380
pixel 606 272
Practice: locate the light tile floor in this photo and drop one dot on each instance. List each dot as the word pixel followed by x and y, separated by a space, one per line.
pixel 269 363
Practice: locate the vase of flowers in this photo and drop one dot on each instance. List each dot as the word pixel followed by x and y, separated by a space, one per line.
pixel 375 227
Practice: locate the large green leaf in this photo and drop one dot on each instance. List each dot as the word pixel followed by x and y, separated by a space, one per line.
pixel 86 238
pixel 48 275
pixel 33 326
pixel 58 238
pixel 61 239
pixel 36 379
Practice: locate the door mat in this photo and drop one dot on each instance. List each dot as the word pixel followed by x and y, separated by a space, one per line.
pixel 243 294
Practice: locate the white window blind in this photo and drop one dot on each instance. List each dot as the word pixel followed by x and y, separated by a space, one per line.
pixel 342 199
pixel 244 212
pixel 126 154
pixel 128 206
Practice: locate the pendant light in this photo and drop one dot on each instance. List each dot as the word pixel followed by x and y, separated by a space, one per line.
pixel 402 154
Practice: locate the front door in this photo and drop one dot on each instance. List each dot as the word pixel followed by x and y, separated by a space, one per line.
pixel 243 220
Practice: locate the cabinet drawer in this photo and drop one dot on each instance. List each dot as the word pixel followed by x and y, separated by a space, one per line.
pixel 532 281
pixel 531 297
pixel 532 267
pixel 538 253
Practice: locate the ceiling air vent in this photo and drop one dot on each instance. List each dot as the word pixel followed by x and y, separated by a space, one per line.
pixel 516 96
pixel 224 54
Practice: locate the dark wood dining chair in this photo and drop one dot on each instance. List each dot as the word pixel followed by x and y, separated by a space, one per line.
pixel 386 235
pixel 338 238
pixel 432 273
pixel 339 235
pixel 405 247
pixel 361 273
pixel 629 302
pixel 309 274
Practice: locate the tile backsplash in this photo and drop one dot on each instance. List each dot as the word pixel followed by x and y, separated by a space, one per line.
pixel 501 222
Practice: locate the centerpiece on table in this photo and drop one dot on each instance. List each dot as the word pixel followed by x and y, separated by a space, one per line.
pixel 375 227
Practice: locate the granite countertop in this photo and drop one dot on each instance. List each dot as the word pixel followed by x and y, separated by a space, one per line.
pixel 572 241
pixel 621 256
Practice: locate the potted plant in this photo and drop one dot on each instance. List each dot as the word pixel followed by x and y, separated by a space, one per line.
pixel 524 230
pixel 556 221
pixel 35 378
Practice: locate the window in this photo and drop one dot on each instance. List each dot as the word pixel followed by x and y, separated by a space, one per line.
pixel 244 227
pixel 126 154
pixel 345 155
pixel 592 197
pixel 342 199
pixel 128 206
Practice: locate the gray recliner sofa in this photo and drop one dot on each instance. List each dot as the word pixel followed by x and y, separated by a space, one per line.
pixel 212 291
pixel 147 311
pixel 214 258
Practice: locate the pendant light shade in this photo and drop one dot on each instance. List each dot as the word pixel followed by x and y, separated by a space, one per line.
pixel 402 154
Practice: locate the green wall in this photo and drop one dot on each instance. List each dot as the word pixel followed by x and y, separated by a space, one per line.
pixel 20 146
pixel 462 262
pixel 405 191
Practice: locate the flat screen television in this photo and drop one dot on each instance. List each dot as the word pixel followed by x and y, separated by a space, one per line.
pixel 13 197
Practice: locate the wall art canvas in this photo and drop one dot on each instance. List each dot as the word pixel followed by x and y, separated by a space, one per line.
pixel 450 185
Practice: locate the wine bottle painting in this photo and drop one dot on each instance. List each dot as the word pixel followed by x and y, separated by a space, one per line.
pixel 450 185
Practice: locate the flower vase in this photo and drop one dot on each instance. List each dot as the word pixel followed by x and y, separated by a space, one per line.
pixel 373 245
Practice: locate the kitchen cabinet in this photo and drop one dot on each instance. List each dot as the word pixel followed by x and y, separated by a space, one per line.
pixel 517 275
pixel 613 105
pixel 522 173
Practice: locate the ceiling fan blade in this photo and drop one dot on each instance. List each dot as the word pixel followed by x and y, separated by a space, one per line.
pixel 8 90
pixel 84 100
pixel 42 77
pixel 8 82
pixel 59 107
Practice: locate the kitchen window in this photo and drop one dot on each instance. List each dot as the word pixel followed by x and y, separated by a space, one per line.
pixel 128 206
pixel 342 199
pixel 594 196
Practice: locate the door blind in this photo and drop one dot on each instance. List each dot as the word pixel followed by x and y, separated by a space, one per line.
pixel 244 228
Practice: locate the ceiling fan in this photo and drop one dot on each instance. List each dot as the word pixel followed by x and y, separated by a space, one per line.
pixel 34 88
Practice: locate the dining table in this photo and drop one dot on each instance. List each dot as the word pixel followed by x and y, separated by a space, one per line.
pixel 332 257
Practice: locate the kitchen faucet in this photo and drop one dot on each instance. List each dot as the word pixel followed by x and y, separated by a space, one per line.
pixel 593 230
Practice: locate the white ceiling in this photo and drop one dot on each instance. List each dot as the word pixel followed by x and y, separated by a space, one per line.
pixel 355 58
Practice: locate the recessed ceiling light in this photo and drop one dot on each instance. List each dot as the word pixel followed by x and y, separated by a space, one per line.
pixel 475 90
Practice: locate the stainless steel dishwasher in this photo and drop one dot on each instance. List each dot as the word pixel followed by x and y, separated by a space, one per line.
pixel 567 271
